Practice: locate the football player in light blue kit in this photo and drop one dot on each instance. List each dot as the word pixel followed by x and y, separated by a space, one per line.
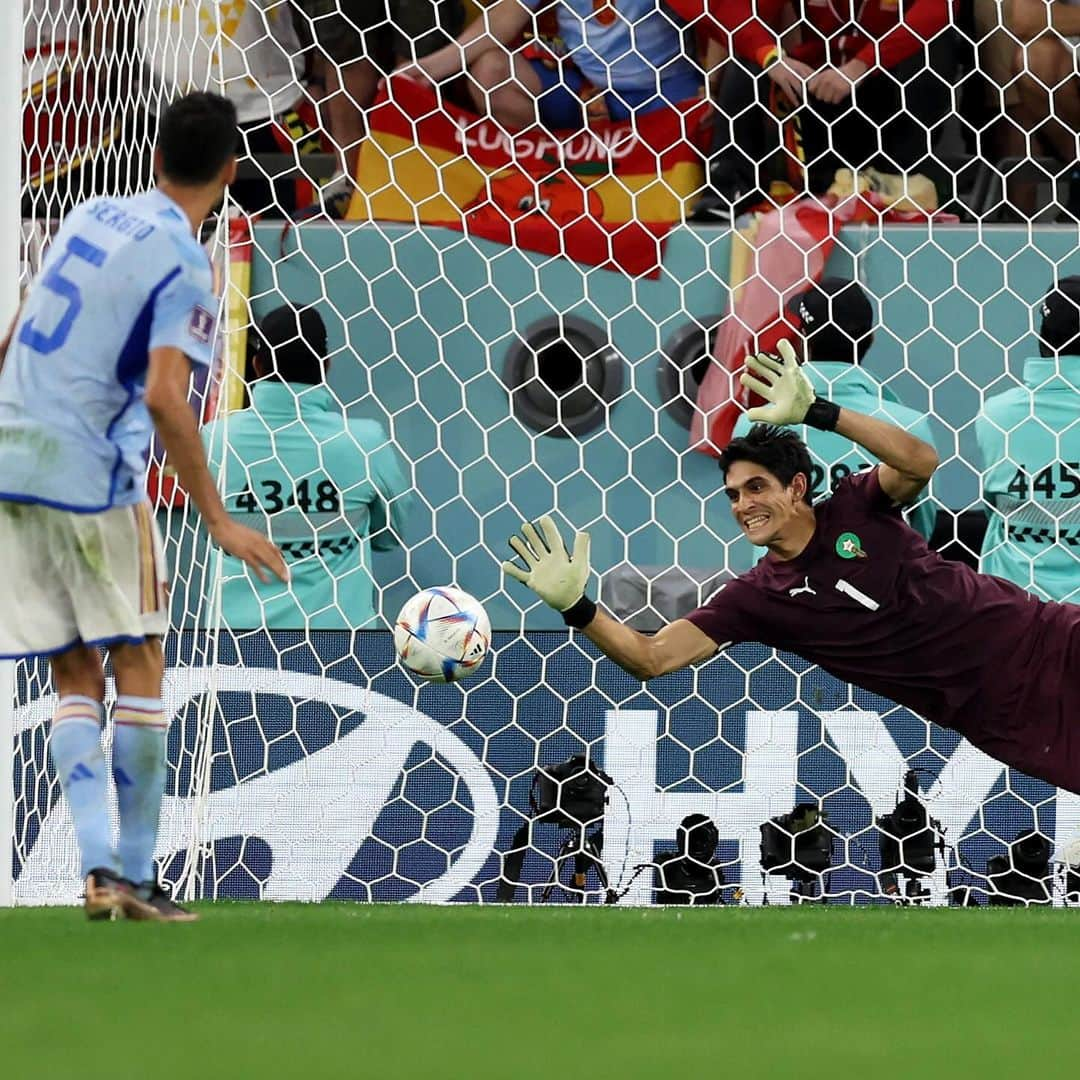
pixel 99 356
pixel 623 58
pixel 1029 439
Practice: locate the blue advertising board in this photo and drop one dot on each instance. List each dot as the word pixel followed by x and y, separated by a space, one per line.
pixel 313 767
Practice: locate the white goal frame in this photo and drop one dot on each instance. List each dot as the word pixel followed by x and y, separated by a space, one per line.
pixel 11 31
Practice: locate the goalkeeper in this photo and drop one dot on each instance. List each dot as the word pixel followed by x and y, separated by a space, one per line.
pixel 850 587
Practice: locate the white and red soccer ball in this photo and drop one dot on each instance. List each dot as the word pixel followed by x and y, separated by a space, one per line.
pixel 442 634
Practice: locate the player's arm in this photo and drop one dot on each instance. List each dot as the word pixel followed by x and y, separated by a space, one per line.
pixel 647 656
pixel 166 399
pixel 559 579
pixel 907 461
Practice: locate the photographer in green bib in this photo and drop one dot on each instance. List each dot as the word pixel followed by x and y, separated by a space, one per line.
pixel 836 321
pixel 1029 439
pixel 327 487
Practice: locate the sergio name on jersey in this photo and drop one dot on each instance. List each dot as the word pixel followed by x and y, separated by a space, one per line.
pixel 122 277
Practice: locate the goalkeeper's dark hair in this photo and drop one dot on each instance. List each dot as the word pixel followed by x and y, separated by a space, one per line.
pixel 777 449
pixel 197 135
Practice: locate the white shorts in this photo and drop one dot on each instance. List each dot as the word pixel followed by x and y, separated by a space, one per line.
pixel 66 578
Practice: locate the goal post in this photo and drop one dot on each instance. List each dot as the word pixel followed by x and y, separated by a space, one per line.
pixel 11 31
pixel 522 322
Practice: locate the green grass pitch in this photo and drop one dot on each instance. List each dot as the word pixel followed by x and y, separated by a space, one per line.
pixel 348 990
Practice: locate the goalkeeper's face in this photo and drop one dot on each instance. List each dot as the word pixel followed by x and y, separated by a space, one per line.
pixel 765 509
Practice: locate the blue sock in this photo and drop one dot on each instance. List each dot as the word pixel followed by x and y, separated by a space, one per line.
pixel 139 735
pixel 75 747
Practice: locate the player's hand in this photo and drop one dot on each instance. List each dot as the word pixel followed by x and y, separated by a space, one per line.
pixel 782 384
pixel 253 547
pixel 557 578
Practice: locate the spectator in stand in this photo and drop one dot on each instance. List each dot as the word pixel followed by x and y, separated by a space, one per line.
pixel 329 488
pixel 357 42
pixel 1029 438
pixel 837 324
pixel 607 61
pixel 251 54
pixel 994 81
pixel 77 105
pixel 864 92
pixel 1049 89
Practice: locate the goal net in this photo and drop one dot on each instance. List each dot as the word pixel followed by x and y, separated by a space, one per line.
pixel 526 320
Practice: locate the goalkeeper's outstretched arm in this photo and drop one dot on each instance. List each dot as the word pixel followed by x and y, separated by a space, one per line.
pixel 559 579
pixel 907 463
pixel 646 656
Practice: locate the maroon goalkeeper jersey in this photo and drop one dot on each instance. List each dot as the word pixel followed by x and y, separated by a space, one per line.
pixel 869 602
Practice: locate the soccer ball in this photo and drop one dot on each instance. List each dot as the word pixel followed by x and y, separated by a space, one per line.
pixel 442 634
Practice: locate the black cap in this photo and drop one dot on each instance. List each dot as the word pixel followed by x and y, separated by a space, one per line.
pixel 296 340
pixel 834 315
pixel 1061 314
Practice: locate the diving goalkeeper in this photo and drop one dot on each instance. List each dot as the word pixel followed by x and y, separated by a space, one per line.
pixel 850 587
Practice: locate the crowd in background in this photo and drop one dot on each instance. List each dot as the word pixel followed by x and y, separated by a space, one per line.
pixel 801 87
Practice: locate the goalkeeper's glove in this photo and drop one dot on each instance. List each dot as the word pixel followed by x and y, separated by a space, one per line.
pixel 790 396
pixel 557 578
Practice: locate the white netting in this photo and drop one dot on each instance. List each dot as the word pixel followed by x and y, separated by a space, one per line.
pixel 519 320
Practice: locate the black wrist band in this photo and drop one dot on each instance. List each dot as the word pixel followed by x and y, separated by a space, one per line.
pixel 822 415
pixel 580 614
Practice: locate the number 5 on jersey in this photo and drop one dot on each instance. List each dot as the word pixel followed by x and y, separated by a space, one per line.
pixel 66 289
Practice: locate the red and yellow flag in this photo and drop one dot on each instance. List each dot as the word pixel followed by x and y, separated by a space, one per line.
pixel 779 254
pixel 606 195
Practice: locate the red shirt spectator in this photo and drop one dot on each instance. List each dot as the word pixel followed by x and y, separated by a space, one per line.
pixel 827 99
pixel 877 34
pixel 880 33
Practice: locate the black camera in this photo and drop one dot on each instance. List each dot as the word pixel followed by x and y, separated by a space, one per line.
pixel 1022 876
pixel 797 845
pixel 907 840
pixel 690 875
pixel 570 795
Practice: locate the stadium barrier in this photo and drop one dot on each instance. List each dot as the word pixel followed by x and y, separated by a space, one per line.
pixel 310 767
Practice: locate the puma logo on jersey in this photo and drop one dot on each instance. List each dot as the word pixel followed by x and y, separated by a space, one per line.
pixel 803 589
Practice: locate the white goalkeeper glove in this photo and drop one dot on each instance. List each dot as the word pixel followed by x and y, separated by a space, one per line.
pixel 786 389
pixel 557 578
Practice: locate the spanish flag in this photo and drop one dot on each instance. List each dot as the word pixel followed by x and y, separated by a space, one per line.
pixel 606 195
